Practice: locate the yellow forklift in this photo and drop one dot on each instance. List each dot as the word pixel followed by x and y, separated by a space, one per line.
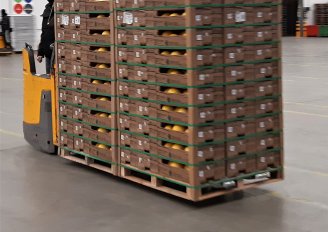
pixel 40 107
pixel 3 49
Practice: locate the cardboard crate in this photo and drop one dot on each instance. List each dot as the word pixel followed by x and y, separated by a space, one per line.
pixel 154 3
pixel 170 17
pixel 173 170
pixel 252 145
pixel 184 154
pixel 240 166
pixel 99 118
pixel 94 5
pixel 97 86
pixel 90 58
pixel 95 134
pixel 98 102
pixel 171 57
pixel 161 93
pixel 69 51
pixel 66 110
pixel 177 114
pixel 66 126
pixel 69 66
pixel 160 130
pixel 66 141
pixel 100 72
pixel 107 153
pixel 171 76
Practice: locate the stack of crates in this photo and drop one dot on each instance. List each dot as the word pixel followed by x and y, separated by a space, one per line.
pixel 321 14
pixel 321 19
pixel 181 96
pixel 199 94
pixel 86 82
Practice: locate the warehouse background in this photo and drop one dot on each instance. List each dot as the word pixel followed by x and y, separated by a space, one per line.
pixel 9 5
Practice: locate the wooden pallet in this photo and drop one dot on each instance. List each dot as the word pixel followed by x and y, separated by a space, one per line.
pixel 87 160
pixel 160 183
pixel 181 189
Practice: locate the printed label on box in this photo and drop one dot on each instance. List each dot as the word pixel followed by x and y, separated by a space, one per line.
pixel 202 77
pixel 199 37
pixel 200 57
pixel 201 174
pixel 240 17
pixel 77 20
pixel 65 20
pixel 233 73
pixel 128 18
pixel 200 154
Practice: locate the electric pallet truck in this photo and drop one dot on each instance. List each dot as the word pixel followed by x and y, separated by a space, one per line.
pixel 40 109
pixel 3 49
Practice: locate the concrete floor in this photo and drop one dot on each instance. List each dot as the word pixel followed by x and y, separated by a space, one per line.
pixel 46 193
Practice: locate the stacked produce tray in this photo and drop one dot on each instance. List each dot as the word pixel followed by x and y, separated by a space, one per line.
pixel 86 82
pixel 180 96
pixel 321 14
pixel 199 91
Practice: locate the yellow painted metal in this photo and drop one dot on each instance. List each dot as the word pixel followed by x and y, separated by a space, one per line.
pixel 2 42
pixel 33 87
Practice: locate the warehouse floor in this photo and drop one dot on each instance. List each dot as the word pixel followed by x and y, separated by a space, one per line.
pixel 41 192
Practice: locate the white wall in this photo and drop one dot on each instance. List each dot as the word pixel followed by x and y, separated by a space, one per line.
pixel 38 7
pixel 310 3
